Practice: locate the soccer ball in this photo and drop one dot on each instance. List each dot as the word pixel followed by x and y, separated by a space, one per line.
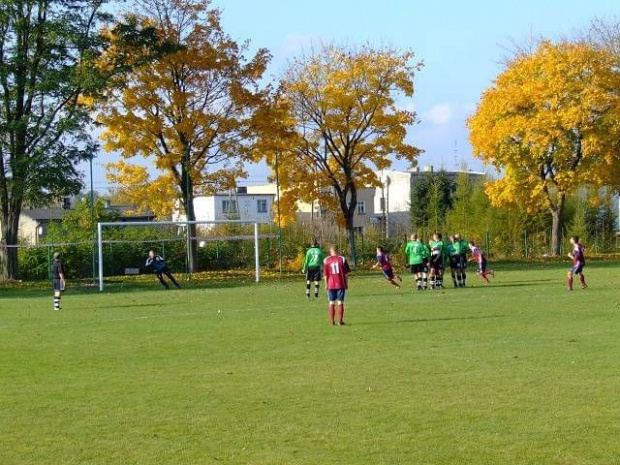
pixel 202 243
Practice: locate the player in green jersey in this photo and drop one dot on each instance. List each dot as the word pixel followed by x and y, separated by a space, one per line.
pixel 462 249
pixel 426 258
pixel 414 256
pixel 457 250
pixel 312 266
pixel 436 262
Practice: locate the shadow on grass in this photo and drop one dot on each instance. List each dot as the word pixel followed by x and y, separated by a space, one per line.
pixel 431 320
pixel 113 287
pixel 404 291
pixel 520 284
pixel 127 306
pixel 192 285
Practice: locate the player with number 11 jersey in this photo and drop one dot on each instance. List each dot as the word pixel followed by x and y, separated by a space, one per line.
pixel 335 270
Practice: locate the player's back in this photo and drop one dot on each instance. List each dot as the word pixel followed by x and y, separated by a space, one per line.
pixel 578 254
pixel 384 261
pixel 335 271
pixel 57 269
pixel 464 247
pixel 415 252
pixel 314 257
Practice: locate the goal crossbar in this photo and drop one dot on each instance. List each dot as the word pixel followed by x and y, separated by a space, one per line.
pixel 185 224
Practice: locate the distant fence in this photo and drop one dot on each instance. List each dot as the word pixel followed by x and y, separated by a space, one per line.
pixel 234 250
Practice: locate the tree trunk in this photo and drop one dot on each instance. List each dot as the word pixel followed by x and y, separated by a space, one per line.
pixel 351 234
pixel 348 206
pixel 9 268
pixel 190 213
pixel 557 227
pixel 194 264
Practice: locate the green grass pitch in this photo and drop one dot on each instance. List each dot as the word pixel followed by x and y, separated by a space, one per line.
pixel 520 372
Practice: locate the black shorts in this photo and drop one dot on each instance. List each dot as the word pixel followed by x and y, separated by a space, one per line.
pixel 455 262
pixel 58 285
pixel 482 266
pixel 313 273
pixel 419 268
pixel 464 261
pixel 436 265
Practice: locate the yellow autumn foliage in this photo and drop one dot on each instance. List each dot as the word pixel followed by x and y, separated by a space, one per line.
pixel 334 121
pixel 549 124
pixel 187 112
pixel 136 187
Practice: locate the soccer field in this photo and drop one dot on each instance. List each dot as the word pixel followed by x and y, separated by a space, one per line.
pixel 520 372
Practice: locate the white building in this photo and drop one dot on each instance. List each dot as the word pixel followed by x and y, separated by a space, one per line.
pixel 307 213
pixel 387 207
pixel 231 206
pixel 393 201
pixel 393 198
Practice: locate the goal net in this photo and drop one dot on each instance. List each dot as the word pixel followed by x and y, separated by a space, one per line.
pixel 186 246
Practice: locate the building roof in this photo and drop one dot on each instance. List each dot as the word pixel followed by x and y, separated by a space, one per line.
pixel 431 170
pixel 41 214
pixel 233 195
pixel 57 214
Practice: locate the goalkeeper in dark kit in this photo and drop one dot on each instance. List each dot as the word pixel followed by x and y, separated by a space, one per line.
pixel 159 266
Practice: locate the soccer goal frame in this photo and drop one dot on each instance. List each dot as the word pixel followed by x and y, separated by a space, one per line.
pixel 180 224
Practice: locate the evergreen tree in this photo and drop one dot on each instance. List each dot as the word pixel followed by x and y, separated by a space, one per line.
pixel 431 198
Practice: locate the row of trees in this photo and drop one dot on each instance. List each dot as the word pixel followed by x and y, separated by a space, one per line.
pixel 462 205
pixel 168 84
pixel 51 71
pixel 550 125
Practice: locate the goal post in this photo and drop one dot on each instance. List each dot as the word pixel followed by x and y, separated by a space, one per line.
pixel 179 224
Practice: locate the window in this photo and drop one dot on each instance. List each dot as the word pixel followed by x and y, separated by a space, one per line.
pixel 358 230
pixel 261 206
pixel 382 204
pixel 229 206
pixel 361 208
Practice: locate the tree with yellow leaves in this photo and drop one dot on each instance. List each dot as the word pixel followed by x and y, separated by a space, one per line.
pixel 189 111
pixel 335 121
pixel 549 124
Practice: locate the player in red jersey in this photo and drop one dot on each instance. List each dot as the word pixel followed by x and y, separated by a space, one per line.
pixel 579 261
pixel 383 261
pixel 477 255
pixel 335 270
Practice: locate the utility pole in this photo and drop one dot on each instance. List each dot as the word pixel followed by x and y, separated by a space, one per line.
pixel 279 216
pixel 387 207
pixel 92 217
pixel 456 151
pixel 188 233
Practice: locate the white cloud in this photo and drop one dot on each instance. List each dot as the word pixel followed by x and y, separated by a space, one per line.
pixel 440 114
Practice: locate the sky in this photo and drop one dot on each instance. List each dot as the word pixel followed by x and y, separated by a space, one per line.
pixel 462 45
